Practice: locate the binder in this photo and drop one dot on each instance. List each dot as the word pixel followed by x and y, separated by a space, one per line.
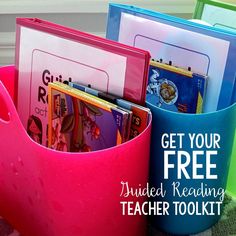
pixel 219 14
pixel 205 49
pixel 47 52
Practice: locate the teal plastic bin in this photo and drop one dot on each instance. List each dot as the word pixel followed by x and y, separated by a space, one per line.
pixel 201 164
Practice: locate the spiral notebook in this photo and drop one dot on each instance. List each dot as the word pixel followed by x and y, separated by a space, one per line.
pixel 207 50
pixel 47 52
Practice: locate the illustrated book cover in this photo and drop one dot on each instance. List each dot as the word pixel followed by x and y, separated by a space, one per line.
pixel 175 89
pixel 140 114
pixel 80 122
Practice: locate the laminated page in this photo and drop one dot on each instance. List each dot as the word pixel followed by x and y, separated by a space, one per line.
pixel 169 43
pixel 216 13
pixel 46 53
pixel 207 50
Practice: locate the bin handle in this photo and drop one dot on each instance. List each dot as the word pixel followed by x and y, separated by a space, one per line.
pixel 12 112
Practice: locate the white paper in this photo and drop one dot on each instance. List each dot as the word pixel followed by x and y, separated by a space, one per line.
pixel 45 58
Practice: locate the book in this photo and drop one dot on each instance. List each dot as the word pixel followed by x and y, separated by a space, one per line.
pixel 140 114
pixel 47 52
pixel 185 43
pixel 175 89
pixel 80 122
pixel 217 13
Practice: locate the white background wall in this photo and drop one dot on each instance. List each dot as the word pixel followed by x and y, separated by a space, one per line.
pixel 86 15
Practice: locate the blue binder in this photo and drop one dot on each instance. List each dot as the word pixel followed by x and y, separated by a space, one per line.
pixel 226 87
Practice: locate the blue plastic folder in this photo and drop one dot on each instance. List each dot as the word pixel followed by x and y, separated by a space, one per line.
pixel 207 50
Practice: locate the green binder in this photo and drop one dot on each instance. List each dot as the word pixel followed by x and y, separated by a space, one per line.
pixel 217 13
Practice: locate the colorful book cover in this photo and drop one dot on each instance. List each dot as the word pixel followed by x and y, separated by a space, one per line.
pixel 80 122
pixel 140 114
pixel 175 89
pixel 47 52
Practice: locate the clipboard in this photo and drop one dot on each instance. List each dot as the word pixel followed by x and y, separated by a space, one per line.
pixel 47 52
pixel 185 43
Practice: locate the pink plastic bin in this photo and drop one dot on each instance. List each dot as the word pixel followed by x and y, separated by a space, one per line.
pixel 7 76
pixel 49 193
